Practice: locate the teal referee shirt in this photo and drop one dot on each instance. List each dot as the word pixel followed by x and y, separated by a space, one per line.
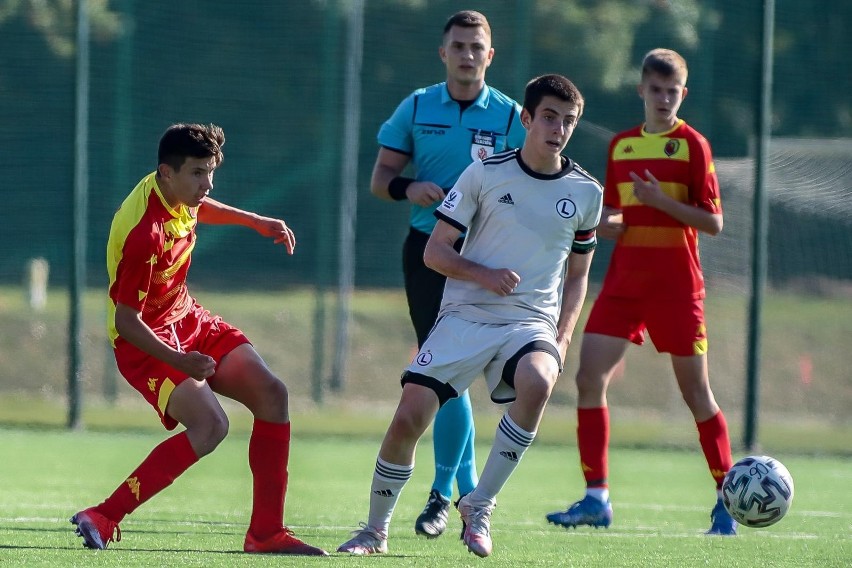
pixel 442 140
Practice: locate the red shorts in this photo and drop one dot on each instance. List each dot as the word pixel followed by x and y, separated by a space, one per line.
pixel 197 331
pixel 675 326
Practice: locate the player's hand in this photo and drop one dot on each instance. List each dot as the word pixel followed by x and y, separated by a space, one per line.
pixel 611 226
pixel 501 281
pixel 648 192
pixel 277 230
pixel 197 365
pixel 424 193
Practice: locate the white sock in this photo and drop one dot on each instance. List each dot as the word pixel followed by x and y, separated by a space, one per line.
pixel 599 493
pixel 388 481
pixel 510 443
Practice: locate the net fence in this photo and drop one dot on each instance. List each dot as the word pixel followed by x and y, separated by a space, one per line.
pixel 301 111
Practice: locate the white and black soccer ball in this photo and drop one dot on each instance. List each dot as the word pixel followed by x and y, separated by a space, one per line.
pixel 757 491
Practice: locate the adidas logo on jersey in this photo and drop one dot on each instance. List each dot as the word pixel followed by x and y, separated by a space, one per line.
pixel 507 199
pixel 511 456
pixel 383 492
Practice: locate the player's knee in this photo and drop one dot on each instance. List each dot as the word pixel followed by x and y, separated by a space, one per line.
pixel 537 388
pixel 589 381
pixel 270 401
pixel 207 435
pixel 277 394
pixel 408 425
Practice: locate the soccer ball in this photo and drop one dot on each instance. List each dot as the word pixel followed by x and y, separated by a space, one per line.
pixel 757 491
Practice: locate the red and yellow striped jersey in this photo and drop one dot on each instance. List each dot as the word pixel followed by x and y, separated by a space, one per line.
pixel 148 256
pixel 658 255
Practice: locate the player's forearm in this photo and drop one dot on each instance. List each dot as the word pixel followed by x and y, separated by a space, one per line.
pixel 573 297
pixel 696 217
pixel 133 330
pixel 574 292
pixel 214 212
pixel 444 259
pixel 380 181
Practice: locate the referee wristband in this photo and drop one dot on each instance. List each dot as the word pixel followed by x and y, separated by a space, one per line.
pixel 397 187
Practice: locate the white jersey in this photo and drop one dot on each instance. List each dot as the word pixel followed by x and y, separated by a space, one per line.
pixel 525 221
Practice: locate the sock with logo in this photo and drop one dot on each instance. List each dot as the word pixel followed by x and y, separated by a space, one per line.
pixel 388 481
pixel 593 444
pixel 269 453
pixel 453 443
pixel 716 445
pixel 163 465
pixel 510 443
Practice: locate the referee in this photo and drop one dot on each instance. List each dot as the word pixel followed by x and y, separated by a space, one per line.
pixel 438 131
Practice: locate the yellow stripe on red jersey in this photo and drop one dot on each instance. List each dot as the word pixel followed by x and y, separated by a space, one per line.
pixel 148 257
pixel 657 254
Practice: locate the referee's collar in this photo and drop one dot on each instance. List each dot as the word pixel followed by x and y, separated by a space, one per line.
pixel 481 100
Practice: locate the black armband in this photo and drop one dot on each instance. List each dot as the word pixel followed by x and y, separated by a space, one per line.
pixel 397 187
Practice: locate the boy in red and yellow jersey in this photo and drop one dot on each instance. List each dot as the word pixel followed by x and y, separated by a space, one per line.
pixel 177 355
pixel 661 190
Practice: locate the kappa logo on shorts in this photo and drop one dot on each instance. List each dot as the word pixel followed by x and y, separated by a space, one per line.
pixel 152 385
pixel 424 359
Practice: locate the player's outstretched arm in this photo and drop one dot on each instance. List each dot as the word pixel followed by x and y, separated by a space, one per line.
pixel 214 212
pixel 441 257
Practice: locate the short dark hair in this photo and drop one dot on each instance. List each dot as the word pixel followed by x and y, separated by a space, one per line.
pixel 552 85
pixel 468 19
pixel 664 62
pixel 182 141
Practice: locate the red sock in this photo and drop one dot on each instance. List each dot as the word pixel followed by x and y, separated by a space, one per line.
pixel 163 465
pixel 593 443
pixel 269 452
pixel 716 445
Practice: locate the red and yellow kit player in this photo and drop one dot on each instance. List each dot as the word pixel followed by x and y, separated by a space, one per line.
pixel 178 355
pixel 661 191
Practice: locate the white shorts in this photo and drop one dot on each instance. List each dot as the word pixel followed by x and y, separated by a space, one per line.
pixel 457 350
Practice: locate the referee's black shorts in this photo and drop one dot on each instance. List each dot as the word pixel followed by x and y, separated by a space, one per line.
pixel 423 286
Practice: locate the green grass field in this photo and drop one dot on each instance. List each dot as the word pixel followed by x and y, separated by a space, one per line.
pixel 662 501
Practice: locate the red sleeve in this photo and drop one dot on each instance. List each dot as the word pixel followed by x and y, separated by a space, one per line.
pixel 134 273
pixel 705 183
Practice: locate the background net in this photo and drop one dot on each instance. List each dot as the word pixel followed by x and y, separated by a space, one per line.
pixel 281 78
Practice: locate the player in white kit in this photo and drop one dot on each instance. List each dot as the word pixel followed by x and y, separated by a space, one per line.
pixel 510 305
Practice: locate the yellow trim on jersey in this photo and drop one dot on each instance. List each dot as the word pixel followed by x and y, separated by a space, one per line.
pixel 651 148
pixel 677 191
pixel 172 270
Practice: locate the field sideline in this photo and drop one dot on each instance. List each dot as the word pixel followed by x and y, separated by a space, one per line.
pixel 662 501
